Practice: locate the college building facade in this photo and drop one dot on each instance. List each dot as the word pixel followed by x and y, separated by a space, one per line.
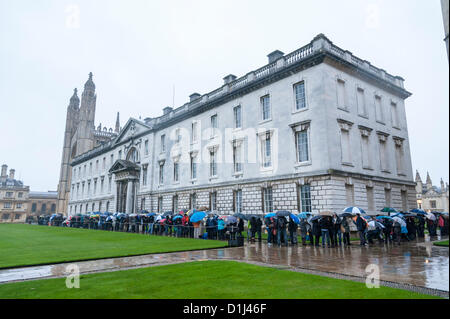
pixel 316 129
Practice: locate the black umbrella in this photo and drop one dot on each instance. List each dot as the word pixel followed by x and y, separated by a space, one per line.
pixel 345 215
pixel 283 213
pixel 315 218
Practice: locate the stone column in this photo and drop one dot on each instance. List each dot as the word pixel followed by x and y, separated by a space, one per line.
pixel 129 208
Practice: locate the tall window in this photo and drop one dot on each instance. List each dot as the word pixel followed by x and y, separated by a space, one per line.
pixel 144 175
pixel 214 124
pixel 304 194
pixel 384 160
pixel 175 203
pixel 104 163
pixel 177 135
pixel 95 186
pixel 394 114
pixel 193 201
pixel 238 201
pixel 346 155
pixel 101 185
pixel 237 116
pixel 266 151
pixel 146 147
pixel 120 154
pixel 300 98
pixel 33 207
pixel 90 169
pixel 161 173
pixel 379 109
pixel 163 143
pixel 237 161
pixel 341 95
pixel 193 167
pixel 212 162
pixel 213 201
pixel 265 107
pixel 112 159
pixel 399 156
pixel 109 184
pixel 96 166
pixel 301 141
pixel 267 200
pixel 175 171
pixel 194 132
pixel 142 203
pixel 361 101
pixel 365 148
pixel 160 204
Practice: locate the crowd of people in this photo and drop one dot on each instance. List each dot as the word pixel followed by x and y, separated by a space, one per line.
pixel 329 230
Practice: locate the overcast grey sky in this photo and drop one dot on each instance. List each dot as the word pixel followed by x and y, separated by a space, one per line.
pixel 138 50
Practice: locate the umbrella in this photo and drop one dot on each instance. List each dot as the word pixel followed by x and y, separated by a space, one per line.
pixel 326 213
pixel 373 223
pixel 418 211
pixel 239 215
pixel 398 215
pixel 178 216
pixel 231 219
pixel 294 218
pixel 151 214
pixel 430 216
pixel 354 210
pixel 270 215
pixel 345 215
pixel 315 218
pixel 159 217
pixel 304 215
pixel 409 215
pixel 400 221
pixel 283 213
pixel 197 216
pixel 385 217
pixel 389 210
pixel 223 217
pixel 162 220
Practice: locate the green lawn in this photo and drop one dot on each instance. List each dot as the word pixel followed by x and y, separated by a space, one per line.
pixel 441 243
pixel 22 244
pixel 205 279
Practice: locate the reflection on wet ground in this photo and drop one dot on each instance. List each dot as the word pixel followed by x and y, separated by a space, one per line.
pixel 419 264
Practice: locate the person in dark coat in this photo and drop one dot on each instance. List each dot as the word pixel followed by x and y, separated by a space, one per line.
pixel 315 232
pixel 257 229
pixel 397 232
pixel 292 227
pixel 325 224
pixel 387 223
pixel 420 226
pixel 411 226
pixel 346 230
pixel 361 227
pixel 240 227
pixel 281 231
pixel 304 228
pixel 336 234
pixel 268 223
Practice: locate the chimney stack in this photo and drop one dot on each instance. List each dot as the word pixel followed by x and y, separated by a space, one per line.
pixel 229 78
pixel 194 96
pixel 11 173
pixel 4 169
pixel 167 110
pixel 275 55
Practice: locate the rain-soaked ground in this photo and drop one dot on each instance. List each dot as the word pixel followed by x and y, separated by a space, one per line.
pixel 419 263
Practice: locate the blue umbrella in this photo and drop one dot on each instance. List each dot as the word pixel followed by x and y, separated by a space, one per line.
pixel 385 217
pixel 177 216
pixel 354 210
pixel 294 218
pixel 398 214
pixel 270 215
pixel 196 217
pixel 304 215
pixel 418 211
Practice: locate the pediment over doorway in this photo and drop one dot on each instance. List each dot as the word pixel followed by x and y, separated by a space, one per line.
pixel 123 165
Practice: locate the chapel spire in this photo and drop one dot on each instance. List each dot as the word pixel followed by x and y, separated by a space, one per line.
pixel 117 129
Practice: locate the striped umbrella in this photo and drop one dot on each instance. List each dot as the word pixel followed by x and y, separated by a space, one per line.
pixel 354 210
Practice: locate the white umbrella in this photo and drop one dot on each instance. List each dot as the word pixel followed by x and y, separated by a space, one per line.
pixel 400 221
pixel 431 216
pixel 375 224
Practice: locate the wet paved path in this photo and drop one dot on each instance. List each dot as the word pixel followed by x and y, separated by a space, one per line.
pixel 417 264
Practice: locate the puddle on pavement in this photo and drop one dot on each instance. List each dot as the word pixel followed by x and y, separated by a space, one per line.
pixel 416 264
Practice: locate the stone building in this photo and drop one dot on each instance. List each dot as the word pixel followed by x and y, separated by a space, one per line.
pixel 432 198
pixel 316 129
pixel 41 203
pixel 13 197
pixel 80 136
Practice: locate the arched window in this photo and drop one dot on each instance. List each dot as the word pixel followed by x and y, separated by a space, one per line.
pixel 44 208
pixel 133 155
pixel 53 209
pixel 33 207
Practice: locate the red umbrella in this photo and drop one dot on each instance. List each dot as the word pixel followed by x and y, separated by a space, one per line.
pixel 162 221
